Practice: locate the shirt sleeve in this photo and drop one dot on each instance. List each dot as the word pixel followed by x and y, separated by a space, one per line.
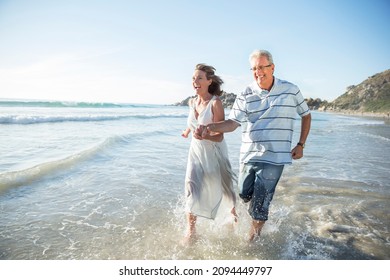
pixel 238 111
pixel 302 108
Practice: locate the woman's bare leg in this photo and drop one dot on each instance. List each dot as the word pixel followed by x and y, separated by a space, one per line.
pixel 191 229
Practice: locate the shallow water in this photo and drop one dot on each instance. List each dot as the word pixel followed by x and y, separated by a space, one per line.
pixel 108 183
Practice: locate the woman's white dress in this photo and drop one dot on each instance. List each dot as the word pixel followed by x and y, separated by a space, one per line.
pixel 209 175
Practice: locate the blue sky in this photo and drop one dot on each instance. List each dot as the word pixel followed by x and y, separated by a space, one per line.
pixel 145 51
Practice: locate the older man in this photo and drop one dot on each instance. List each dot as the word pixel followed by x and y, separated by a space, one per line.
pixel 266 111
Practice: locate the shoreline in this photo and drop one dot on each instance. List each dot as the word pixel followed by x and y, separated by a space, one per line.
pixel 384 116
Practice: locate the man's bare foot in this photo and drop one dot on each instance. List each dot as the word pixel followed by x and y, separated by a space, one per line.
pixel 255 230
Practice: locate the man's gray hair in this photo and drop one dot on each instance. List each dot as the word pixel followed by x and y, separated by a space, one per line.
pixel 259 53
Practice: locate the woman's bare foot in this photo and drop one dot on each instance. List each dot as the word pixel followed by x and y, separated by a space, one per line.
pixel 188 239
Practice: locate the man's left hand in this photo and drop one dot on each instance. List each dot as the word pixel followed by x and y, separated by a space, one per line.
pixel 297 152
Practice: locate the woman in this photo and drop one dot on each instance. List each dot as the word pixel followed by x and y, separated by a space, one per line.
pixel 209 175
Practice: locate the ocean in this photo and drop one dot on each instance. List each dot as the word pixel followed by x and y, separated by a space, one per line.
pixel 101 181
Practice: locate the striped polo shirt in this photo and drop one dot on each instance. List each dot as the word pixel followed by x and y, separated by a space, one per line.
pixel 267 121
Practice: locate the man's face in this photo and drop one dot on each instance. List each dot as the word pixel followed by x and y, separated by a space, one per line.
pixel 263 72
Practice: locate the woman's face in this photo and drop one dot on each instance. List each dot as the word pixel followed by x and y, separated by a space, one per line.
pixel 200 82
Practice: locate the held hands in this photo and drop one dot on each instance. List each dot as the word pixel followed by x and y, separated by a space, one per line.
pixel 202 132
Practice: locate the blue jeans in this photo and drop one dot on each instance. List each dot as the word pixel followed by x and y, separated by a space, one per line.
pixel 257 183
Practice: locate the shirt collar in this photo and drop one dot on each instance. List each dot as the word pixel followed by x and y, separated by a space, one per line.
pixel 262 92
